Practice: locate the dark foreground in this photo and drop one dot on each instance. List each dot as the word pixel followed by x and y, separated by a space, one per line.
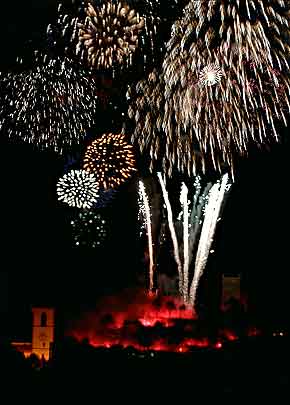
pixel 251 368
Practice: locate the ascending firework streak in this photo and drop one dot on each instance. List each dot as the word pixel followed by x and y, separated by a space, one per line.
pixel 184 203
pixel 173 233
pixel 199 224
pixel 147 219
pixel 197 213
pixel 211 217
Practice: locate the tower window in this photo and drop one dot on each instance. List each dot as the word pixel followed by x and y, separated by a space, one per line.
pixel 43 319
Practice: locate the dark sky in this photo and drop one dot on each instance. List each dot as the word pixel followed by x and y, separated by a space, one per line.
pixel 37 260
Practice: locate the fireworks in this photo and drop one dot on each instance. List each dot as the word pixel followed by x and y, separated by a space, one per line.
pixel 172 233
pixel 51 105
pixel 148 107
pixel 146 214
pixel 78 189
pixel 211 217
pixel 223 84
pixel 184 203
pixel 195 226
pixel 105 35
pixel 210 75
pixel 89 229
pixel 109 33
pixel 111 159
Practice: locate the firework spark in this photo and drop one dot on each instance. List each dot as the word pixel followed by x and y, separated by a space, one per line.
pixel 147 217
pixel 50 106
pixel 78 188
pixel 111 159
pixel 180 122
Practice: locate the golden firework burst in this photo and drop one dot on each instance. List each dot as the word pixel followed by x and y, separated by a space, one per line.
pixel 109 34
pixel 111 159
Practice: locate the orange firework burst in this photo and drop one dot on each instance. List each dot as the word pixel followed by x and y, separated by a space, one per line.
pixel 111 159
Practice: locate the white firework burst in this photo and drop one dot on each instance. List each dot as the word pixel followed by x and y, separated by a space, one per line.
pixel 210 75
pixel 78 188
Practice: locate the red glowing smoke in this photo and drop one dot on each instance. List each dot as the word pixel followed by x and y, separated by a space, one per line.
pixel 145 322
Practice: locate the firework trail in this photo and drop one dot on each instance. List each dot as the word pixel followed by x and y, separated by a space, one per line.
pixel 184 203
pixel 211 217
pixel 192 222
pixel 191 226
pixel 147 217
pixel 200 201
pixel 172 233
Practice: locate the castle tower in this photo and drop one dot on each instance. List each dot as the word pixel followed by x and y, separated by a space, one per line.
pixel 42 331
pixel 231 289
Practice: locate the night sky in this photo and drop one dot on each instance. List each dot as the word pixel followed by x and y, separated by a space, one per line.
pixel 37 259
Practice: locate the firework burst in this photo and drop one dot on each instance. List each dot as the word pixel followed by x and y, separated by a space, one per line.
pixel 89 229
pixel 223 85
pixel 109 34
pixel 78 188
pixel 50 106
pixel 210 75
pixel 111 160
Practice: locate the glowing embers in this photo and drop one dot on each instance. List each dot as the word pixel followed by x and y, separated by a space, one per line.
pixel 89 229
pixel 109 33
pixel 111 160
pixel 78 188
pixel 210 75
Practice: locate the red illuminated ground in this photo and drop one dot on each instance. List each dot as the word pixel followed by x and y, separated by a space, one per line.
pixel 144 322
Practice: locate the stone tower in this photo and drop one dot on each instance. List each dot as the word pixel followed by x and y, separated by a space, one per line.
pixel 42 331
pixel 231 289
